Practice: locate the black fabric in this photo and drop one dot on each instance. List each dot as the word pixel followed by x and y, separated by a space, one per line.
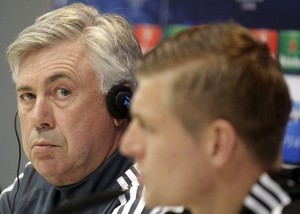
pixel 292 208
pixel 245 210
pixel 185 211
pixel 289 180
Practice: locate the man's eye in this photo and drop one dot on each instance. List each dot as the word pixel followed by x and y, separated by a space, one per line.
pixel 62 92
pixel 145 126
pixel 27 96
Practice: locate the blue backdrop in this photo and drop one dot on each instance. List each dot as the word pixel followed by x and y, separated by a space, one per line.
pixel 276 14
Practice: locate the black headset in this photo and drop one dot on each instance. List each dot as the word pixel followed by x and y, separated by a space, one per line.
pixel 118 101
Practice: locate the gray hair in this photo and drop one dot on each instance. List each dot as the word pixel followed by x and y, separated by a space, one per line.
pixel 110 42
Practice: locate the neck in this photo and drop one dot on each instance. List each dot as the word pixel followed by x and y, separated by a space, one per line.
pixel 233 183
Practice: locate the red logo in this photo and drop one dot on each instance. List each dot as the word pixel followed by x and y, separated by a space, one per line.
pixel 293 46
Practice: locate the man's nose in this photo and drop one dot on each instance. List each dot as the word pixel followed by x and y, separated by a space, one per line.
pixel 42 115
pixel 132 142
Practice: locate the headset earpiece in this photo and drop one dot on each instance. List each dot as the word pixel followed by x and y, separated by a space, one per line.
pixel 118 101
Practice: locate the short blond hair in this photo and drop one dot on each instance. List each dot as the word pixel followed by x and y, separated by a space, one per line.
pixel 221 71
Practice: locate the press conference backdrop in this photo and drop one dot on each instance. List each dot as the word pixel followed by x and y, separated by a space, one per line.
pixel 153 20
pixel 275 22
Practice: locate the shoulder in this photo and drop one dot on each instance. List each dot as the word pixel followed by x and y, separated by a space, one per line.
pixel 21 186
pixel 24 177
pixel 266 196
pixel 132 201
pixel 289 179
pixel 129 178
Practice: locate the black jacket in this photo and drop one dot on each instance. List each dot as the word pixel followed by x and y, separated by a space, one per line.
pixel 36 196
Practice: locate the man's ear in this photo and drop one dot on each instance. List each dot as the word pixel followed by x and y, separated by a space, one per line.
pixel 222 143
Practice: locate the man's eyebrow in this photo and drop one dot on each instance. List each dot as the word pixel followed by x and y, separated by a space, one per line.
pixel 48 81
pixel 23 88
pixel 55 77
